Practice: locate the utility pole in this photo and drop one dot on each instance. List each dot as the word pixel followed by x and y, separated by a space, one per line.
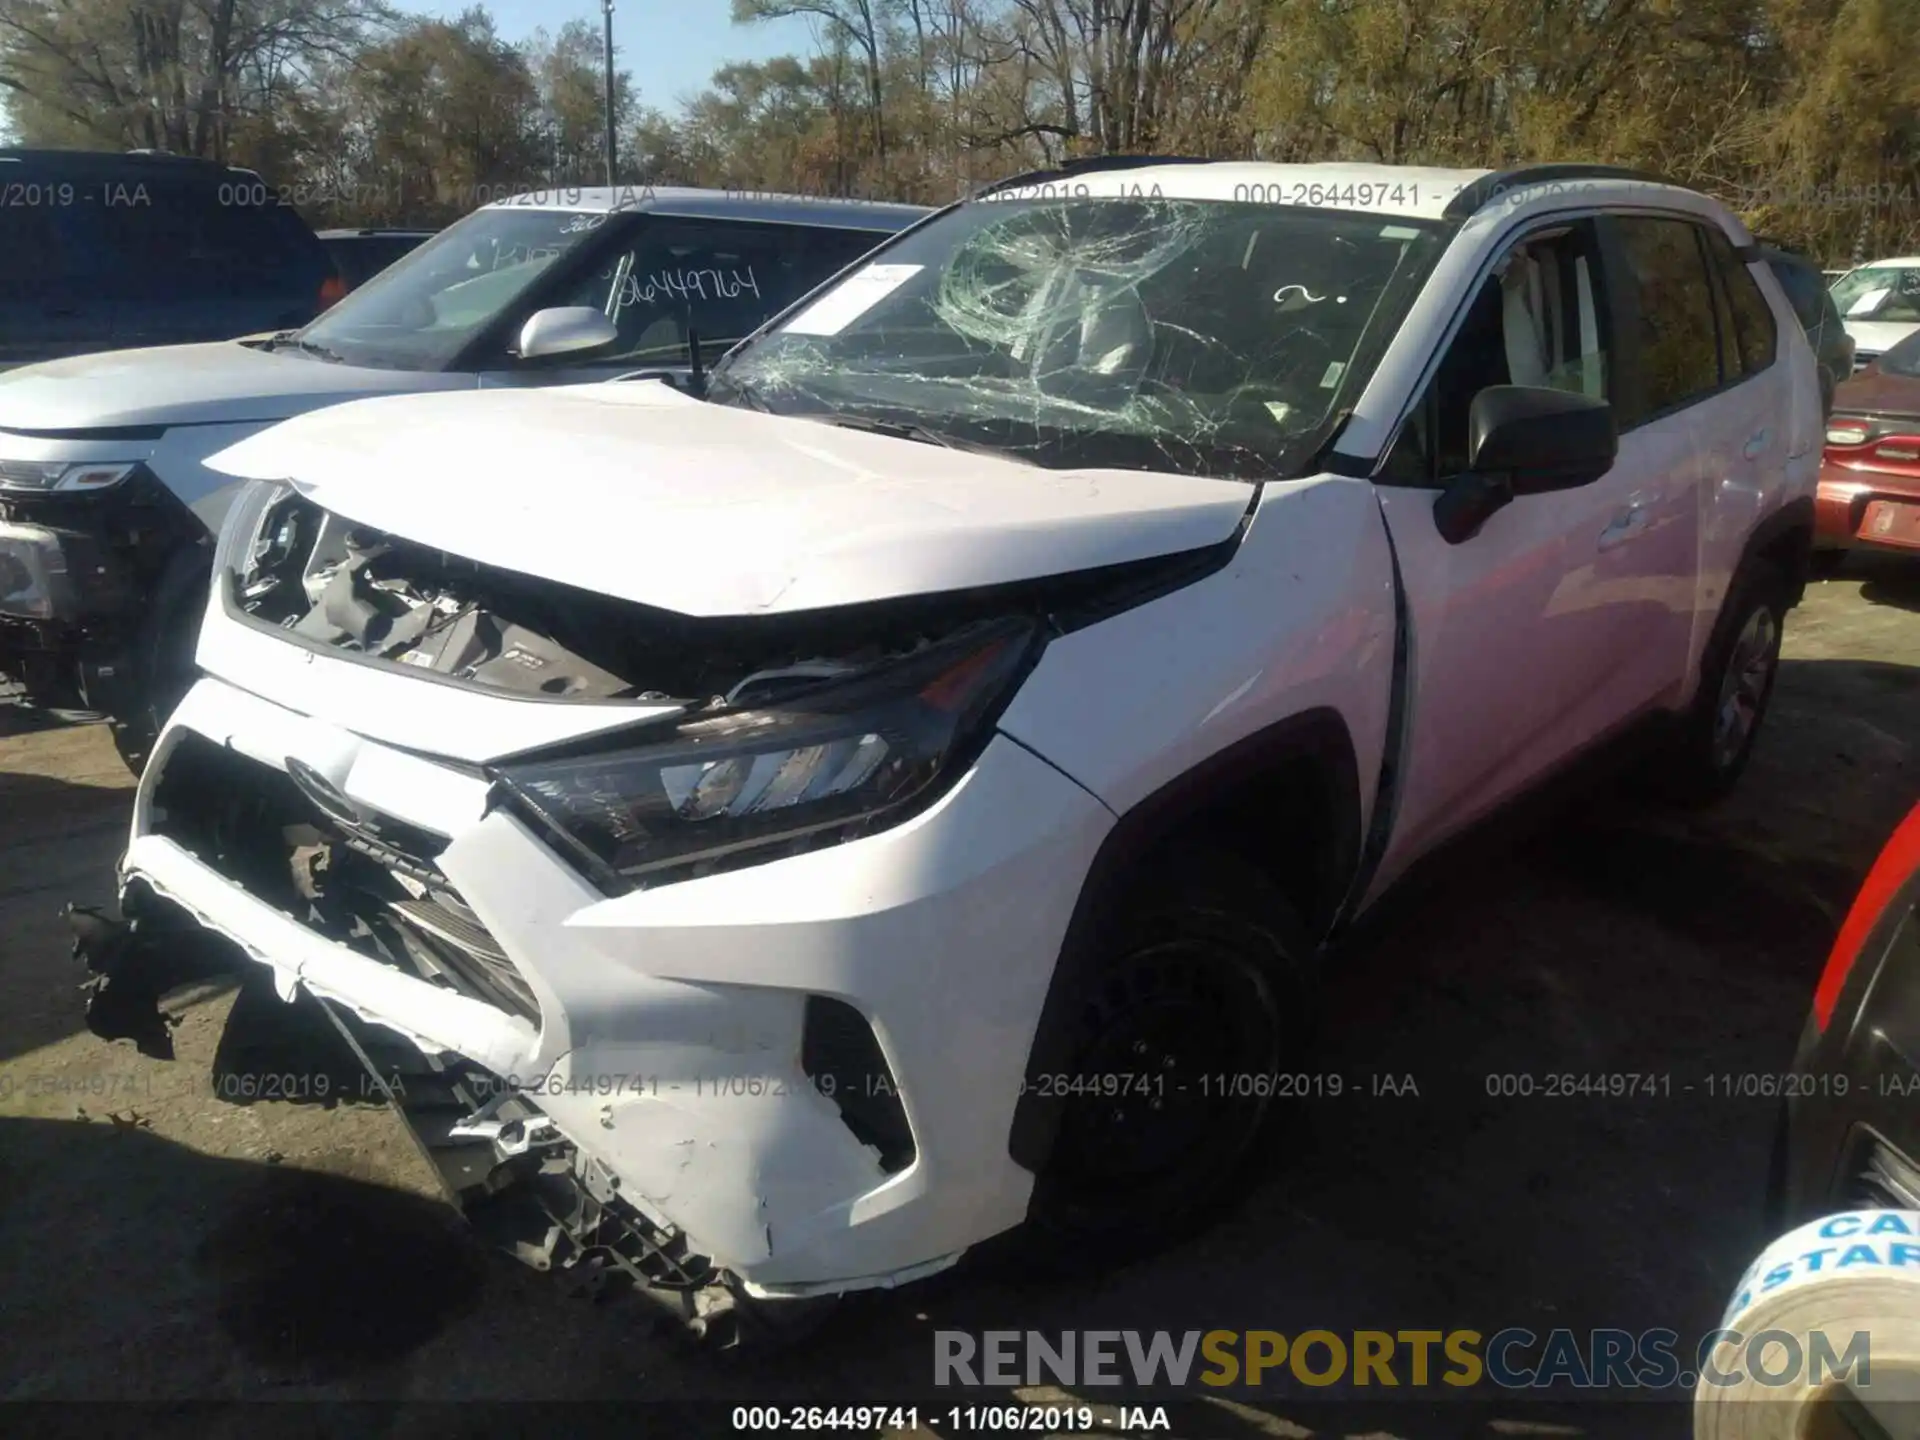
pixel 608 7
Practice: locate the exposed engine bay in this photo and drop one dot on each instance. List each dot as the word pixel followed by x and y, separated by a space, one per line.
pixel 337 585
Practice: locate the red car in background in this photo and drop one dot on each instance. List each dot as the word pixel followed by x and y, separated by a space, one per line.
pixel 1850 1123
pixel 1869 495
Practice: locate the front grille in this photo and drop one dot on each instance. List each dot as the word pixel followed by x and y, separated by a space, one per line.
pixel 374 886
pixel 455 939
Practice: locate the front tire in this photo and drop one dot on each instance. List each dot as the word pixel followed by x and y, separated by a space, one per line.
pixel 1200 981
pixel 164 673
pixel 1737 675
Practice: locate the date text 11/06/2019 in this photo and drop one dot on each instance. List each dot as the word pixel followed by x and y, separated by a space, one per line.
pixel 1019 1418
pixel 1159 1085
pixel 1723 1085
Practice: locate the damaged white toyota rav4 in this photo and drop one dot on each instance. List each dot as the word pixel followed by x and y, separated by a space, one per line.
pixel 803 833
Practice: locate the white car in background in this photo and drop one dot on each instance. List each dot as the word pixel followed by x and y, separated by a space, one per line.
pixel 794 836
pixel 1880 306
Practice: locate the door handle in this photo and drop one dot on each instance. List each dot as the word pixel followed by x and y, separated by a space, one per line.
pixel 1624 526
pixel 1756 443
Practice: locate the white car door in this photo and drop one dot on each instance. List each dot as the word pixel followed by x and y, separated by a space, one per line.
pixel 1549 627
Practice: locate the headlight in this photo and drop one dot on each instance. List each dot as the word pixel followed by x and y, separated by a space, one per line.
pixel 63 475
pixel 840 760
pixel 33 574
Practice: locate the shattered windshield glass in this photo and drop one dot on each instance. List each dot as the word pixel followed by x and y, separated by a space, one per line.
pixel 1204 337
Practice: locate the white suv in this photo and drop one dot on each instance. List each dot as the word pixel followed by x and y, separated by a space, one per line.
pixel 901 797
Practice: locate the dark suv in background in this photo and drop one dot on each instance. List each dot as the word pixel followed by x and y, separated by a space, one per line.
pixel 112 252
pixel 1806 286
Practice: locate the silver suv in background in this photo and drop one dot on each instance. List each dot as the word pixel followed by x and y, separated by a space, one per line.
pixel 108 514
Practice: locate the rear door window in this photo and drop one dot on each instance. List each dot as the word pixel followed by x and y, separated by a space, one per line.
pixel 1672 299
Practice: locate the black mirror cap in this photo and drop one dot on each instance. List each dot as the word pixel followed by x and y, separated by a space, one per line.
pixel 1543 439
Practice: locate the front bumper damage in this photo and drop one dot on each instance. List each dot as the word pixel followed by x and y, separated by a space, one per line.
pixel 787 1081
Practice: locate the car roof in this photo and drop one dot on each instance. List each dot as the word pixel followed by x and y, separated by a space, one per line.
pixel 107 162
pixel 374 233
pixel 1907 262
pixel 819 210
pixel 1409 190
pixel 1415 192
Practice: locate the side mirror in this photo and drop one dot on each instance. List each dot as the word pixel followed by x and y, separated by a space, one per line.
pixel 1525 440
pixel 564 330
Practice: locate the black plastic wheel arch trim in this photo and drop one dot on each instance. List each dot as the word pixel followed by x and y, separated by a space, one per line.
pixel 1318 736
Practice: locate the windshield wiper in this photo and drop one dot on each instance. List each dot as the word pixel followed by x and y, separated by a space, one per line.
pixel 925 435
pixel 740 390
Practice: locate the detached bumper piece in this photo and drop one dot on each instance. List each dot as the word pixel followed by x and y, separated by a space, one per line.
pixel 138 957
pixel 529 1192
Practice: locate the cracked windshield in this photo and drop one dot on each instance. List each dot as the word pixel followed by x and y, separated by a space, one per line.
pixel 1204 336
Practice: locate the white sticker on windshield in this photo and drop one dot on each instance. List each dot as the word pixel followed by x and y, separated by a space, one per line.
pixel 851 299
pixel 1399 232
pixel 1869 301
pixel 1332 377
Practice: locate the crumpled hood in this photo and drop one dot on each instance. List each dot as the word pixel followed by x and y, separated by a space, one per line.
pixel 634 490
pixel 222 383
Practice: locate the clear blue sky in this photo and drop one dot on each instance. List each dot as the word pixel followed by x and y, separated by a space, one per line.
pixel 671 47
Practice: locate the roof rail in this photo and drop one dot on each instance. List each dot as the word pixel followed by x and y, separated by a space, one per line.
pixel 1497 183
pixel 1089 165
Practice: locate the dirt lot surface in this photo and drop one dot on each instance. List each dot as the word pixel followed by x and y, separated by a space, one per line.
pixel 159 1243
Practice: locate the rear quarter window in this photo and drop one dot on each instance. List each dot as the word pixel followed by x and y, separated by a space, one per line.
pixel 1756 337
pixel 1806 292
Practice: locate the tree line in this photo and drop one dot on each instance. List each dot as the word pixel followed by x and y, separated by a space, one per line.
pixel 1800 113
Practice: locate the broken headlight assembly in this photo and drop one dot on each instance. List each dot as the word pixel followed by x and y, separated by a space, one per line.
pixel 840 759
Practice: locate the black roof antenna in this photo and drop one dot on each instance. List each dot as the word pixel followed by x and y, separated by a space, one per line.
pixel 698 380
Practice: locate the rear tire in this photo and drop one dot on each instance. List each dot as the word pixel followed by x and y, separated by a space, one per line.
pixel 1199 980
pixel 1737 675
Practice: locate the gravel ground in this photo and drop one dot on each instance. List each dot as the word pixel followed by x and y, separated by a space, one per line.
pixel 159 1244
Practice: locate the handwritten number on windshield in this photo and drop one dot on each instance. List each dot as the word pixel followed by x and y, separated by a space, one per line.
pixel 688 284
